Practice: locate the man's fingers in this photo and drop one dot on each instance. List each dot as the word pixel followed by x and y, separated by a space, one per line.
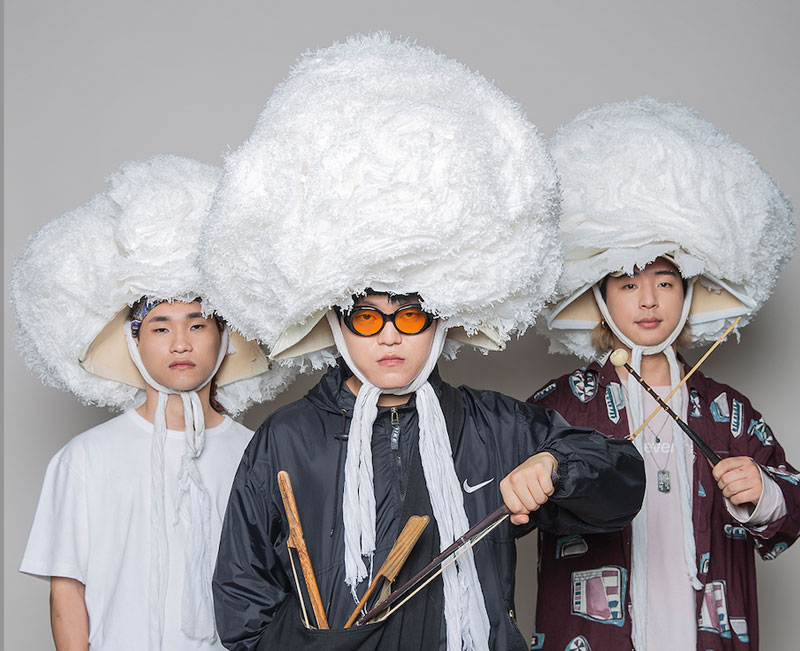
pixel 730 464
pixel 511 498
pixel 521 496
pixel 546 483
pixel 750 496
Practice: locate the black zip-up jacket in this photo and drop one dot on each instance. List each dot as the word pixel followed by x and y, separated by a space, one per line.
pixel 600 488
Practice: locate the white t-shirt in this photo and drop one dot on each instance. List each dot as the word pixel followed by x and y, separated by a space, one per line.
pixel 93 524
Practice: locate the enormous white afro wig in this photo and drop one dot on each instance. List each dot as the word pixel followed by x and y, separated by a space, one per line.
pixel 381 164
pixel 79 271
pixel 644 179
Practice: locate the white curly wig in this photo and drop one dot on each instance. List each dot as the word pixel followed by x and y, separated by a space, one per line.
pixel 385 165
pixel 78 272
pixel 644 179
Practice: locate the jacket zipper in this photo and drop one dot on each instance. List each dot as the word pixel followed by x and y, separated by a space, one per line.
pixel 394 444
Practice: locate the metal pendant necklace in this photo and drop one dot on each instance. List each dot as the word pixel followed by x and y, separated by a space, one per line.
pixel 664 482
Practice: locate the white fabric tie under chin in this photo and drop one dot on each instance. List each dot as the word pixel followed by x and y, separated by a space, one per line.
pixel 464 608
pixel 193 503
pixel 636 417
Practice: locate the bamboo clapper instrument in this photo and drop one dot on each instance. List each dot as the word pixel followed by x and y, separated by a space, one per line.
pixel 298 543
pixel 394 561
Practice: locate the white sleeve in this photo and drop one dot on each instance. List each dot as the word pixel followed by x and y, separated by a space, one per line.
pixel 58 544
pixel 771 505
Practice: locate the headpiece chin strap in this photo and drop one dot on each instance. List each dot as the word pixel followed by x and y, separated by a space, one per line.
pixel 464 608
pixel 635 418
pixel 193 503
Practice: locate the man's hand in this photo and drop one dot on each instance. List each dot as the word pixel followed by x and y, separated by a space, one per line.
pixel 739 479
pixel 68 615
pixel 529 486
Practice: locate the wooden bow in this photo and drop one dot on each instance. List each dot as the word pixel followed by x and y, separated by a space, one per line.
pixel 436 566
pixel 394 561
pixel 620 358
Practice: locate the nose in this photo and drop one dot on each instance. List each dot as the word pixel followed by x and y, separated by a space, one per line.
pixel 647 296
pixel 389 336
pixel 180 342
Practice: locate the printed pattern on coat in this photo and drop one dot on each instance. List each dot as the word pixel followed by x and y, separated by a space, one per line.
pixel 720 410
pixel 737 425
pixel 543 392
pixel 583 383
pixel 724 553
pixel 579 643
pixel 762 431
pixel 694 404
pixel 615 401
pixel 599 594
pixel 571 546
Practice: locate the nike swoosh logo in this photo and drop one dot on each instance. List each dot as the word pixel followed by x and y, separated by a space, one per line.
pixel 472 489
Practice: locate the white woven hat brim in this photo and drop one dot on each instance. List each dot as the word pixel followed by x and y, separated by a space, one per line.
pixel 108 357
pixel 715 305
pixel 314 336
pixel 77 277
pixel 381 164
pixel 648 179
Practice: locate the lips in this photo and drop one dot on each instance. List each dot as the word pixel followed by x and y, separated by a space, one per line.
pixel 181 364
pixel 649 322
pixel 391 360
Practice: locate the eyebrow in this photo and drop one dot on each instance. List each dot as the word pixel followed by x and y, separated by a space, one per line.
pixel 394 299
pixel 665 272
pixel 191 315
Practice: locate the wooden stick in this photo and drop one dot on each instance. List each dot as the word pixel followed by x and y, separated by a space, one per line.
pixel 299 591
pixel 463 550
pixel 685 377
pixel 394 561
pixel 498 514
pixel 297 541
pixel 620 358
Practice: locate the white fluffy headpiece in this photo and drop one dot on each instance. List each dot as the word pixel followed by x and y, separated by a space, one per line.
pixel 77 273
pixel 383 164
pixel 644 179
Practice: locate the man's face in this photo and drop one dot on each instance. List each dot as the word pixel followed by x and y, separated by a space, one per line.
pixel 178 346
pixel 389 359
pixel 647 305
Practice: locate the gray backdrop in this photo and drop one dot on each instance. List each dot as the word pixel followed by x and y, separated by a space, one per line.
pixel 91 84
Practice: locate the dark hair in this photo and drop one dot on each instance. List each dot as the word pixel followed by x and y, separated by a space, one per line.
pixel 603 285
pixel 393 298
pixel 212 398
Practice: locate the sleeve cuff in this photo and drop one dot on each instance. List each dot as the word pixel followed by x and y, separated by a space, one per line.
pixel 771 505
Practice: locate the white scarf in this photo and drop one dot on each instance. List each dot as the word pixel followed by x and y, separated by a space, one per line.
pixel 636 417
pixel 464 607
pixel 193 503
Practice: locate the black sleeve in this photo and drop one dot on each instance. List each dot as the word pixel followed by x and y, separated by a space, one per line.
pixel 600 485
pixel 249 581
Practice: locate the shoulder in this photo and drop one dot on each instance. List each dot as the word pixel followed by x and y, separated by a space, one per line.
pixel 725 408
pixel 492 406
pixel 712 388
pixel 299 425
pixel 291 418
pixel 717 400
pixel 107 435
pixel 234 429
pixel 580 386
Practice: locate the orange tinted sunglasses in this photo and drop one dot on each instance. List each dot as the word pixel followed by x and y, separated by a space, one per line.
pixel 368 321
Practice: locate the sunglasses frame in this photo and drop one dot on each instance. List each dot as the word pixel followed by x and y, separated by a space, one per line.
pixel 348 319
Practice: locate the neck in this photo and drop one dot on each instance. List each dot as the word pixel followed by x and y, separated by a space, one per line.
pixel 174 410
pixel 655 368
pixel 385 399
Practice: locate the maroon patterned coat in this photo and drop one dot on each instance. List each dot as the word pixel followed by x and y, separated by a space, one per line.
pixel 584 597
